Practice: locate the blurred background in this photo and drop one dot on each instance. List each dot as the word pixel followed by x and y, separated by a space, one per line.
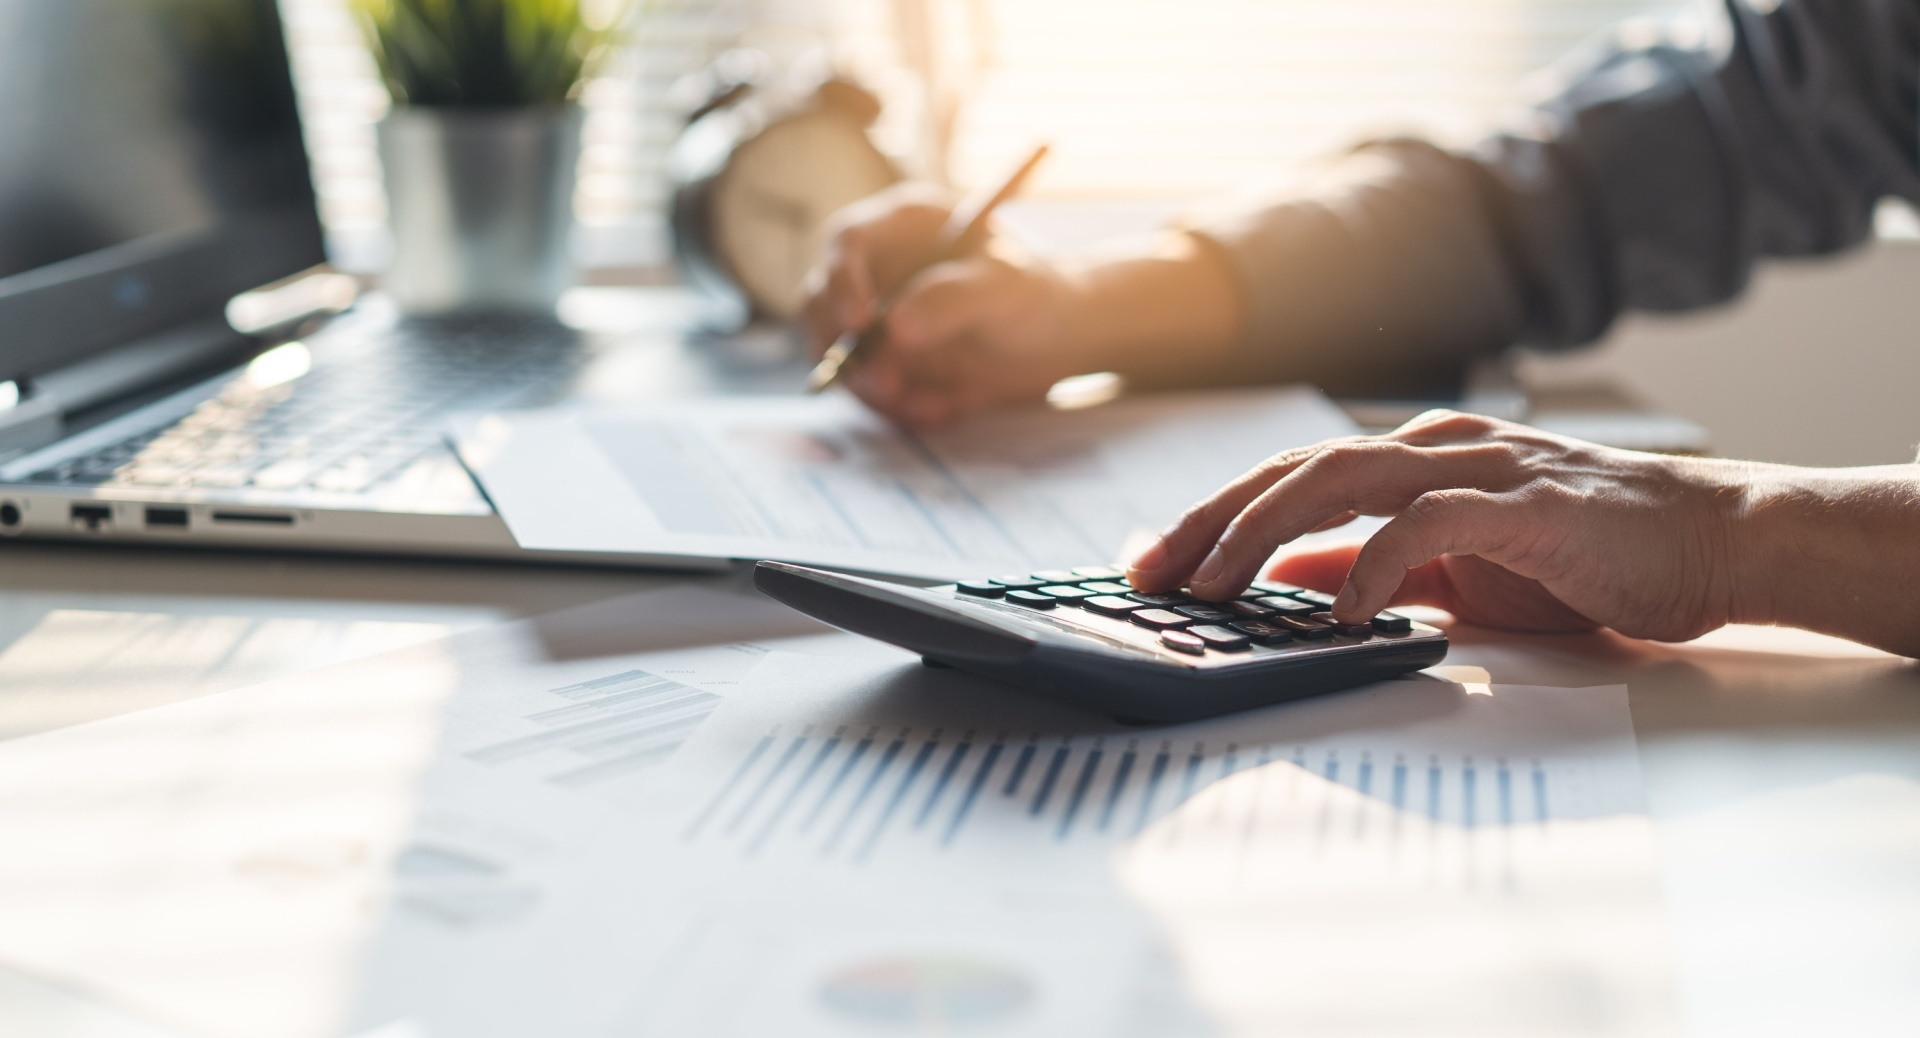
pixel 1154 105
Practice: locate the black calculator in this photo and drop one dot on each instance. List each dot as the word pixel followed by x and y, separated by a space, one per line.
pixel 1086 637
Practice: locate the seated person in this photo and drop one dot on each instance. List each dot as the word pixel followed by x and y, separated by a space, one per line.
pixel 1653 182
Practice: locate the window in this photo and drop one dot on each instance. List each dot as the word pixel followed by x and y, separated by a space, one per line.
pixel 1157 100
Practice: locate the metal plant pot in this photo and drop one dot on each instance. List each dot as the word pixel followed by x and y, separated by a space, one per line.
pixel 481 206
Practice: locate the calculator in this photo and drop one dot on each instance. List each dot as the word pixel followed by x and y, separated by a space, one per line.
pixel 1085 636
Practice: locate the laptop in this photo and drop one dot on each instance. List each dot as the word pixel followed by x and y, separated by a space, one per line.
pixel 151 169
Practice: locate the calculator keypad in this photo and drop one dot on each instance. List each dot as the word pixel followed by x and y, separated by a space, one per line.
pixel 1270 617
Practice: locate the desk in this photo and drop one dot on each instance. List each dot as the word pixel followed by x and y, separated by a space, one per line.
pixel 1783 769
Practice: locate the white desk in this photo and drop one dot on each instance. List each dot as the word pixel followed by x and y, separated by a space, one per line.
pixel 1783 769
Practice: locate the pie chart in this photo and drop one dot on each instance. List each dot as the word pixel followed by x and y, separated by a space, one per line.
pixel 927 993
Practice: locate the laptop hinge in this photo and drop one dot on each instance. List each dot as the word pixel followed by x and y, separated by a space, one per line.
pixel 40 415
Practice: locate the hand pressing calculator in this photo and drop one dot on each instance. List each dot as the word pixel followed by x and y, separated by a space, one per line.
pixel 1086 637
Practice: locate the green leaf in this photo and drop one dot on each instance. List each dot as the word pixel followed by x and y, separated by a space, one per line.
pixel 489 53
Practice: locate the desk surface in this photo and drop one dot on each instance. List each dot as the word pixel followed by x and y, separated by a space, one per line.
pixel 1783 769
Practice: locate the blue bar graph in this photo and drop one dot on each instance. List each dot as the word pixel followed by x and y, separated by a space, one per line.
pixel 1466 792
pixel 899 796
pixel 866 789
pixel 1116 788
pixel 846 768
pixel 1079 796
pixel 1020 765
pixel 954 760
pixel 766 782
pixel 972 794
pixel 1052 776
pixel 1539 794
pixel 746 765
pixel 1147 799
pixel 793 792
pixel 870 795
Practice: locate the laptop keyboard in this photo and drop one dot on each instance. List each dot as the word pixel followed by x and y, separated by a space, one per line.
pixel 345 422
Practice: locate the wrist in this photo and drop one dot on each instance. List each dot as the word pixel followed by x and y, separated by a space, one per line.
pixel 1831 550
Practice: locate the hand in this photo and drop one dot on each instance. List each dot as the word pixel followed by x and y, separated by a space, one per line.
pixel 1497 523
pixel 995 327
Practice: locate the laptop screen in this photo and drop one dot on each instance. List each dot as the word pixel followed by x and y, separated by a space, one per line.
pixel 151 167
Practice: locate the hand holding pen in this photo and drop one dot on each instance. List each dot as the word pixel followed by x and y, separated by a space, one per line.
pixel 847 277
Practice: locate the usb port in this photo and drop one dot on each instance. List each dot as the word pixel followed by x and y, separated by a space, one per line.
pixel 173 517
pixel 91 517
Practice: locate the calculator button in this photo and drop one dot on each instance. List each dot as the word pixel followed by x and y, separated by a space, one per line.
pixel 1274 587
pixel 1158 619
pixel 981 588
pixel 1263 632
pixel 1301 628
pixel 1018 582
pixel 1392 623
pixel 1350 630
pixel 1219 637
pixel 1204 613
pixel 1033 599
pixel 1055 576
pixel 1066 592
pixel 1108 587
pixel 1160 601
pixel 1321 599
pixel 1286 606
pixel 1110 605
pixel 1098 573
pixel 1248 610
pixel 1183 642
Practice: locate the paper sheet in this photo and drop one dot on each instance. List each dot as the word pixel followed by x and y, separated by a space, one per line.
pixel 822 481
pixel 632 819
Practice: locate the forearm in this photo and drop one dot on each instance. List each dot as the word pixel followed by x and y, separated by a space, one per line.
pixel 1169 316
pixel 1833 550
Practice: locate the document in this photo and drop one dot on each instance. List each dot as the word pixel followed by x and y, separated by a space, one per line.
pixel 693 812
pixel 822 481
pixel 1409 858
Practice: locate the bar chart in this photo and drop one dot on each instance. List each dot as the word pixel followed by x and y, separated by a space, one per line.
pixel 854 794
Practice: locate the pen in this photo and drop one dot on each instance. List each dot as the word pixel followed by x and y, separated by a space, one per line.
pixel 964 228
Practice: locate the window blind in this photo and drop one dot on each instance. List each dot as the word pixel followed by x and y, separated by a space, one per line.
pixel 1144 100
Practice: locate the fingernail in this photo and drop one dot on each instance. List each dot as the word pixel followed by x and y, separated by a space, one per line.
pixel 1152 559
pixel 1346 599
pixel 1216 561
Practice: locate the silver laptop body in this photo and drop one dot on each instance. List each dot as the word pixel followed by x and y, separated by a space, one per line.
pixel 144 184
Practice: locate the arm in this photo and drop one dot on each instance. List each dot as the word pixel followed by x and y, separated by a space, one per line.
pixel 1654 181
pixel 1514 528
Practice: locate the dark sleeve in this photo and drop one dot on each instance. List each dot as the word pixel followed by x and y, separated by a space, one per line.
pixel 1652 182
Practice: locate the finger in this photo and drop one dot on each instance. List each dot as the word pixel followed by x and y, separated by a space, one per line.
pixel 1181 546
pixel 1445 522
pixel 944 304
pixel 842 298
pixel 1336 522
pixel 1441 426
pixel 1325 569
pixel 878 382
pixel 1375 477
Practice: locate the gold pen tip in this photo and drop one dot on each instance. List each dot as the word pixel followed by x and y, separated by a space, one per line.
pixel 827 371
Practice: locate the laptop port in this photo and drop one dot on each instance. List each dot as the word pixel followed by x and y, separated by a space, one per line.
pixel 255 518
pixel 174 518
pixel 92 518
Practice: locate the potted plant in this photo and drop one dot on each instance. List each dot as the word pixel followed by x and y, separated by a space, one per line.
pixel 481 146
